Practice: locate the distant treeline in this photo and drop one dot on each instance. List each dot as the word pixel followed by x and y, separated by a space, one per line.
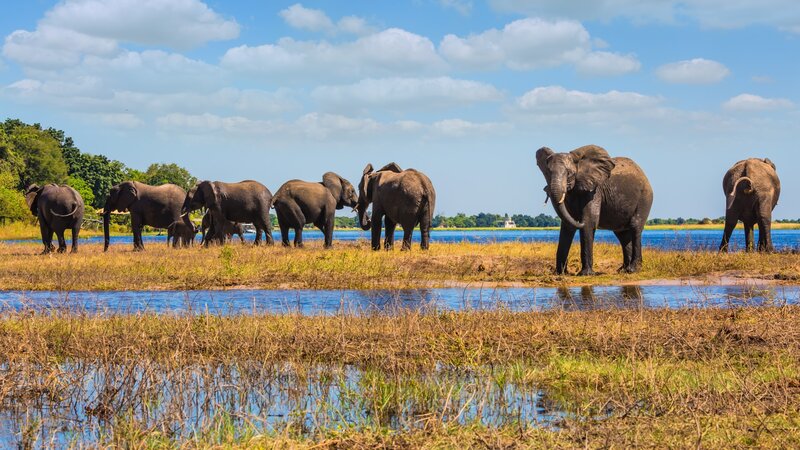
pixel 704 221
pixel 31 154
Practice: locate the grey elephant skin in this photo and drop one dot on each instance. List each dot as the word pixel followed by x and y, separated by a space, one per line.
pixel 404 197
pixel 181 234
pixel 244 202
pixel 58 208
pixel 208 228
pixel 591 190
pixel 752 190
pixel 154 206
pixel 298 203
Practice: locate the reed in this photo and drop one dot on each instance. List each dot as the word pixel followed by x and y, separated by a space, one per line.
pixel 715 378
pixel 355 266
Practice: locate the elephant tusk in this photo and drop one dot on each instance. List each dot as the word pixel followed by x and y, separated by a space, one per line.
pixel 184 214
pixel 563 196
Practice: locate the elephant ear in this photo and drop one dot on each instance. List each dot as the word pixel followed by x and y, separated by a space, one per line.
pixel 542 155
pixel 209 192
pixel 391 167
pixel 768 161
pixel 594 167
pixel 333 183
pixel 363 185
pixel 32 198
pixel 128 194
pixel 368 170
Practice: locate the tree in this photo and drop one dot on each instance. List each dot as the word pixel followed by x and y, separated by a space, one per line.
pixel 158 174
pixel 83 188
pixel 100 173
pixel 12 202
pixel 40 154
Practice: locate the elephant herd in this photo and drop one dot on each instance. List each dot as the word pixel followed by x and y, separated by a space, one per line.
pixel 588 188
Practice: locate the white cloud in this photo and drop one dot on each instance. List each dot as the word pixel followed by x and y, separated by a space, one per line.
pixel 463 7
pixel 389 52
pixel 121 120
pixel 308 19
pixel 752 103
pixel 173 23
pixel 74 29
pixel 534 43
pixel 315 20
pixel 607 64
pixel 406 93
pixel 461 128
pixel 556 99
pixel 783 14
pixel 693 71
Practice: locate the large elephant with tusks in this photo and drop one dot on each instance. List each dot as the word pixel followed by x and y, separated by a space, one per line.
pixel 591 190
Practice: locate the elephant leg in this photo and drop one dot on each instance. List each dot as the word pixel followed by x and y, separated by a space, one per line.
pixel 587 250
pixel 390 226
pixel 47 237
pixel 408 233
pixel 76 229
pixel 748 237
pixel 62 242
pixel 284 234
pixel 730 224
pixel 765 233
pixel 565 238
pixel 136 224
pixel 425 232
pixel 298 237
pixel 328 230
pixel 626 242
pixel 636 255
pixel 377 218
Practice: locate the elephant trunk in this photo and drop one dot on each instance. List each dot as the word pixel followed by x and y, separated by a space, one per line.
pixel 106 219
pixel 558 195
pixel 363 218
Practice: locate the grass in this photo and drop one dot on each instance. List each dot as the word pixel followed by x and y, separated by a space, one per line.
pixel 714 378
pixel 355 266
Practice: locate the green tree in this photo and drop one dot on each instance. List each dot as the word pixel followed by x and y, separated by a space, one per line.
pixel 83 188
pixel 158 174
pixel 12 202
pixel 100 173
pixel 40 154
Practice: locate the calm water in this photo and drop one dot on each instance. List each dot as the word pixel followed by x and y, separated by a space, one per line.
pixel 662 239
pixel 315 302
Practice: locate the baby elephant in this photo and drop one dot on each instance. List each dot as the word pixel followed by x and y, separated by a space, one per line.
pixel 182 233
pixel 298 203
pixel 209 228
pixel 58 208
pixel 752 188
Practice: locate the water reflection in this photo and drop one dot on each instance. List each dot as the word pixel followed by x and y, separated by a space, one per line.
pixel 321 302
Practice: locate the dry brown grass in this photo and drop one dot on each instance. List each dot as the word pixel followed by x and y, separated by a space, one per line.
pixel 713 378
pixel 355 266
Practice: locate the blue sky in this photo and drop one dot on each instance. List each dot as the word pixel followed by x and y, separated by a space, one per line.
pixel 464 90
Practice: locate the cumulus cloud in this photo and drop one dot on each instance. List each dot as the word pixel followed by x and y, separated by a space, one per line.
pixel 389 52
pixel 406 93
pixel 557 100
pixel 782 14
pixel 693 71
pixel 77 28
pixel 315 20
pixel 534 43
pixel 754 103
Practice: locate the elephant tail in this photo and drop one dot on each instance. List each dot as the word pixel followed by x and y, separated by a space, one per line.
pixel 749 190
pixel 65 215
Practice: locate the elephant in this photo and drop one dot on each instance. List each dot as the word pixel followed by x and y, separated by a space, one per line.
pixel 155 206
pixel 591 190
pixel 58 208
pixel 208 228
pixel 181 233
pixel 298 203
pixel 245 202
pixel 405 197
pixel 752 189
